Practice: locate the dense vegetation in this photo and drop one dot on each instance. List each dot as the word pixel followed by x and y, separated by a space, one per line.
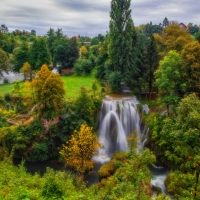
pixel 52 117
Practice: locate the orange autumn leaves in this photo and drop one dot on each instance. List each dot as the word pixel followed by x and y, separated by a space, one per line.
pixel 79 150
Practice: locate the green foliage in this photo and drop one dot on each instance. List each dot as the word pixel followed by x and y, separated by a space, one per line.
pixel 26 141
pixel 121 27
pixel 16 183
pixel 94 86
pixel 180 185
pixel 65 51
pixel 94 41
pixel 100 68
pixel 39 54
pixel 74 113
pixel 197 36
pixel 151 62
pixel 130 180
pixel 21 56
pixel 168 79
pixel 114 81
pixel 175 141
pixel 83 67
pixel 4 62
pixel 127 174
pixel 84 107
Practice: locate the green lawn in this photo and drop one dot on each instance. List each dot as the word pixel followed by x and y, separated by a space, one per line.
pixel 6 88
pixel 72 85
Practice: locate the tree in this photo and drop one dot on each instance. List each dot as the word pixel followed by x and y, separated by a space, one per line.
pixel 182 137
pixel 165 22
pixel 94 41
pixel 84 52
pixel 192 29
pixel 135 71
pixel 4 28
pixel 190 69
pixel 84 107
pixel 26 70
pixel 151 62
pixel 114 81
pixel 4 62
pixel 21 56
pixel 66 52
pixel 172 38
pixel 150 29
pixel 94 86
pixel 197 37
pixel 33 33
pixel 51 37
pixel 52 40
pixel 121 28
pixel 39 54
pixel 168 79
pixel 80 149
pixel 101 59
pixel 1 40
pixel 49 92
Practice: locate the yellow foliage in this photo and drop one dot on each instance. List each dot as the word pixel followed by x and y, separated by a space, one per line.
pixel 172 38
pixel 26 69
pixel 49 90
pixel 84 52
pixel 79 150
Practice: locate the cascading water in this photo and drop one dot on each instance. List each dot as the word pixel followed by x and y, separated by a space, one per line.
pixel 118 119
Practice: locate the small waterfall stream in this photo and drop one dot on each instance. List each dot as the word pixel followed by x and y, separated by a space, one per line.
pixel 118 119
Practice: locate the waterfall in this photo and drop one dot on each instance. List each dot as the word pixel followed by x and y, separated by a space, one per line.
pixel 118 119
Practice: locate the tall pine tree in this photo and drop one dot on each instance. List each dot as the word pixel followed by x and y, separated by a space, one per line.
pixel 151 62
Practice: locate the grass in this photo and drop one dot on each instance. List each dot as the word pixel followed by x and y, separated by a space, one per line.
pixel 6 88
pixel 72 85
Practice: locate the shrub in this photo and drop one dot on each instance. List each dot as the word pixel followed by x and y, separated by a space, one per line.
pixel 5 80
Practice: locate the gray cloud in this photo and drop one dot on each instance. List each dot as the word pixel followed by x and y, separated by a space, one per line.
pixel 88 16
pixel 82 6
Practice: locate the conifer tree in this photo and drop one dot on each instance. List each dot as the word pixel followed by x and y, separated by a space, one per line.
pixel 151 62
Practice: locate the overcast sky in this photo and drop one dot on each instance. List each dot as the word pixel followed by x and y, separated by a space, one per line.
pixel 90 17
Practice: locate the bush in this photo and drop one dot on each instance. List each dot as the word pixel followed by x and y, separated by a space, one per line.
pixel 5 80
pixel 7 97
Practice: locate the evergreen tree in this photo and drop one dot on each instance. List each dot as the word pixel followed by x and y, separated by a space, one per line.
pixel 134 72
pixel 51 37
pixel 151 62
pixel 165 22
pixel 121 27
